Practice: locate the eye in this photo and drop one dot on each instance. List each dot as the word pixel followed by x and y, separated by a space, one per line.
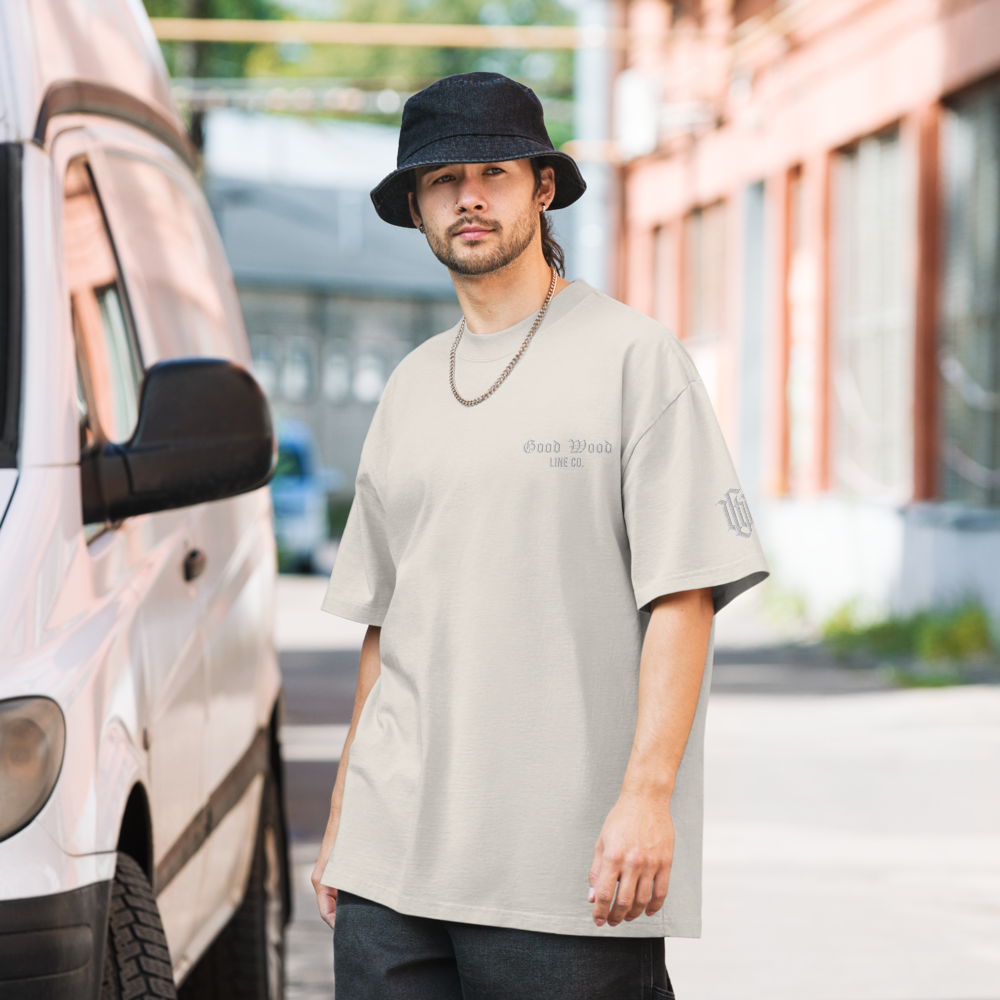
pixel 493 171
pixel 443 178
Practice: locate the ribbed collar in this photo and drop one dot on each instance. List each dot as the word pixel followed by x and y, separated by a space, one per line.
pixel 494 346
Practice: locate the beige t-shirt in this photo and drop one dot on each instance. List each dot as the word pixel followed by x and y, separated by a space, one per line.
pixel 509 552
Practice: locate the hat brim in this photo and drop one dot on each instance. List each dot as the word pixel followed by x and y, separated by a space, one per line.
pixel 391 196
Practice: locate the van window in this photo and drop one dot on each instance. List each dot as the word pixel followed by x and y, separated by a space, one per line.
pixel 108 366
pixel 182 275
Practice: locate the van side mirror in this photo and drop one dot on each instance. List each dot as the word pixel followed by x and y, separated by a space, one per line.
pixel 204 433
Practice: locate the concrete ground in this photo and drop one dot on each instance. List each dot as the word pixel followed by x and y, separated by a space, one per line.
pixel 852 831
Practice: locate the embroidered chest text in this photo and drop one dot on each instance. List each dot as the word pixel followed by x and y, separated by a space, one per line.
pixel 568 454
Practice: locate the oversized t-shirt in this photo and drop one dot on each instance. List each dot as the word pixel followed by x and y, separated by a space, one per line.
pixel 510 551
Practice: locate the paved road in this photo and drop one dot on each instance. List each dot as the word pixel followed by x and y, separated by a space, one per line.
pixel 319 690
pixel 852 847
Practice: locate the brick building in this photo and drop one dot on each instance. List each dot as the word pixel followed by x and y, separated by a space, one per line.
pixel 811 200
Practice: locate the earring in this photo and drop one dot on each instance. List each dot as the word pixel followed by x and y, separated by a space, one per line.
pixel 421 227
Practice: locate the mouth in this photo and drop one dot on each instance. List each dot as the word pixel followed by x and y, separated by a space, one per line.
pixel 471 233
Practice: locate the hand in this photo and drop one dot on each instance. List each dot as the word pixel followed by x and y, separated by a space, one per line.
pixel 634 850
pixel 326 897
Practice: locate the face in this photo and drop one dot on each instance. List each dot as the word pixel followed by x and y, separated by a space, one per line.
pixel 479 217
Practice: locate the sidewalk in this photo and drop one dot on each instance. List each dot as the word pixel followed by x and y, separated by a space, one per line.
pixel 852 849
pixel 852 833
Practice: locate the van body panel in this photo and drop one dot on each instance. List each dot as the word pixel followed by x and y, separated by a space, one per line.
pixel 48 391
pixel 20 75
pixel 68 631
pixel 35 866
pixel 223 882
pixel 181 911
pixel 8 480
pixel 163 681
pixel 108 41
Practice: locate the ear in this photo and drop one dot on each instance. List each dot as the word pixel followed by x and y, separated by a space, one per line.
pixel 546 187
pixel 414 214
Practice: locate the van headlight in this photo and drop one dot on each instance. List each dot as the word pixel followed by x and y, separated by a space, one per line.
pixel 32 739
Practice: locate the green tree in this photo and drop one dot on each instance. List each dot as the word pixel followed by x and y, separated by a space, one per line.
pixel 210 58
pixel 549 72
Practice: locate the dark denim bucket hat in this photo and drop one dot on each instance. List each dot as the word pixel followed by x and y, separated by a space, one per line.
pixel 472 118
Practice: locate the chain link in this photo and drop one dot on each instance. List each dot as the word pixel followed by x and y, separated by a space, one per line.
pixel 513 361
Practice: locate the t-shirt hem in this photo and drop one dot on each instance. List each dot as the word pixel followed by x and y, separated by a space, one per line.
pixel 527 920
pixel 726 573
pixel 364 614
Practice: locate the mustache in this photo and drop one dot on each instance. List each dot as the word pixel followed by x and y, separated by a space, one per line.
pixel 473 220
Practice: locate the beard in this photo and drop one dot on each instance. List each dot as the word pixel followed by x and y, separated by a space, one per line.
pixel 510 245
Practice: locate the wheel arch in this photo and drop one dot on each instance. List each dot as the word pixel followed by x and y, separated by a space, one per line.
pixel 135 836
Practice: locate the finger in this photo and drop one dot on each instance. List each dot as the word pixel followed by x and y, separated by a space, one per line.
pixel 643 892
pixel 627 881
pixel 595 871
pixel 604 894
pixel 326 899
pixel 659 892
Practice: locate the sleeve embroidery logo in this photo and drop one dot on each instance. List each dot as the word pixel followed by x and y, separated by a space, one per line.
pixel 734 506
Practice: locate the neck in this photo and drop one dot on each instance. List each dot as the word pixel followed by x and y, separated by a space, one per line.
pixel 498 300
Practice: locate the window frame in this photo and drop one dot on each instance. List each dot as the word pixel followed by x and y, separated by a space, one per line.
pixel 908 166
pixel 135 348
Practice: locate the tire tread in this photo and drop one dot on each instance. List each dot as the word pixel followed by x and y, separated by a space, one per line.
pixel 136 957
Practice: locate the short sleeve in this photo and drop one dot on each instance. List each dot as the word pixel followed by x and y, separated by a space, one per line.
pixel 364 575
pixel 688 522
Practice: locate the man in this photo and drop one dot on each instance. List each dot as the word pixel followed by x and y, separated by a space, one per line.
pixel 546 520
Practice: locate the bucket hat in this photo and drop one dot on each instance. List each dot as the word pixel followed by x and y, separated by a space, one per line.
pixel 472 118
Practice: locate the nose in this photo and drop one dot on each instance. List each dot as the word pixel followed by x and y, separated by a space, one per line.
pixel 470 196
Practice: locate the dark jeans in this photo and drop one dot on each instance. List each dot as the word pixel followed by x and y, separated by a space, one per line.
pixel 379 954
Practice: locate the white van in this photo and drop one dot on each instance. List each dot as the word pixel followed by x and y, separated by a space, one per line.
pixel 142 840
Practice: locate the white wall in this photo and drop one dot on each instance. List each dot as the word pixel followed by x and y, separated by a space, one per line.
pixel 831 550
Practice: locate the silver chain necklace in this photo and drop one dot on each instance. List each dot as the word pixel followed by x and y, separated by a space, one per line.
pixel 513 361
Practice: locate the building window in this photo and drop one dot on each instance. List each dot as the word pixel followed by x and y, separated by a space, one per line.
pixel 704 300
pixel 751 364
pixel 369 377
pixel 801 291
pixel 969 357
pixel 336 377
pixel 295 383
pixel 265 363
pixel 872 319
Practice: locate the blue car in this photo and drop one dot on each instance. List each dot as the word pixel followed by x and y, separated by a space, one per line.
pixel 299 490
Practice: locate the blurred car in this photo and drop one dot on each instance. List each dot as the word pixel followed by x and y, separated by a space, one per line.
pixel 142 837
pixel 299 493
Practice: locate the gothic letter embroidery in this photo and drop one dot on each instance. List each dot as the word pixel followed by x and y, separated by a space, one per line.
pixel 734 506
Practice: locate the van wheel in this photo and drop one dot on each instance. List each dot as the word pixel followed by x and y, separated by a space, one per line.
pixel 136 958
pixel 247 960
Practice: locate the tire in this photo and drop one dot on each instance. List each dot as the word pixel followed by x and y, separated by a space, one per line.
pixel 247 960
pixel 136 958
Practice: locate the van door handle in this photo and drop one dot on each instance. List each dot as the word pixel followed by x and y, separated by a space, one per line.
pixel 194 564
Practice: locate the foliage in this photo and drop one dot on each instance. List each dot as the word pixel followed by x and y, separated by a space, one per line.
pixel 210 58
pixel 948 635
pixel 399 67
pixel 410 68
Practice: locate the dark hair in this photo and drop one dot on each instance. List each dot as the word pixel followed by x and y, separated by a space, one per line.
pixel 552 250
